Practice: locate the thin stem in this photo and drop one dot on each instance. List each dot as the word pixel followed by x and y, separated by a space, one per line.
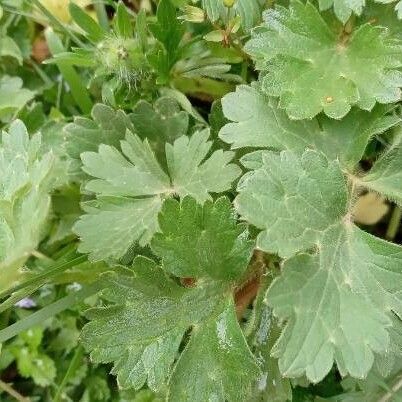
pixel 12 392
pixel 394 222
pixel 395 388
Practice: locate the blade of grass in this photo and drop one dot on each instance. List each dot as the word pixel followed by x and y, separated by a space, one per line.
pixel 78 89
pixel 49 311
pixel 46 275
pixel 17 296
pixel 73 366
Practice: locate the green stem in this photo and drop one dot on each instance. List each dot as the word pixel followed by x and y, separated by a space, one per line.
pixel 394 222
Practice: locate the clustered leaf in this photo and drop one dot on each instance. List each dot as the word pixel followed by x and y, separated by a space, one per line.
pixel 214 313
pixel 301 57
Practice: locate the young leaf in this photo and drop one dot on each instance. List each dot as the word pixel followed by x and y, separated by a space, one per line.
pixel 8 48
pixel 86 23
pixel 25 183
pixel 386 175
pixel 169 31
pixel 107 126
pixel 302 205
pixel 13 96
pixel 312 68
pixel 197 240
pixel 130 189
pixel 163 122
pixel 248 10
pixel 123 21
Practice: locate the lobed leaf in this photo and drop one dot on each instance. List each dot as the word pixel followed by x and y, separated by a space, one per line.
pixel 202 240
pixel 302 204
pixel 312 68
pixel 131 186
pixel 257 121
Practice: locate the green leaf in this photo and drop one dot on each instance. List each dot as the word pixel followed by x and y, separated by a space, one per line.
pixel 40 367
pixel 302 204
pixel 107 126
pixel 8 48
pixel 86 23
pixel 130 188
pixel 219 361
pixel 168 30
pixel 343 8
pixel 78 89
pixel 258 122
pixel 314 190
pixel 248 10
pixel 13 96
pixel 193 174
pixel 213 9
pixel 25 182
pixel 313 68
pixel 123 21
pixel 163 122
pixel 271 386
pixel 142 329
pixel 197 240
pixel 385 176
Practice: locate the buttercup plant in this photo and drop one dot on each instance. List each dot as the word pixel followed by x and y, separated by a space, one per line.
pixel 181 200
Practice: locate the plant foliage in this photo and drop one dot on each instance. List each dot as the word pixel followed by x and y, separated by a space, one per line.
pixel 181 195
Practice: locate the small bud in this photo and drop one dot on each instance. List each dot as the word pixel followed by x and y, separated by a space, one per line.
pixel 229 3
pixel 193 14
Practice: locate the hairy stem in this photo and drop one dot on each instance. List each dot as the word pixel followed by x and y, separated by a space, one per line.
pixel 245 295
pixel 248 290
